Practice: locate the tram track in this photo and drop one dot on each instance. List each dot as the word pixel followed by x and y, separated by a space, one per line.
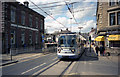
pixel 69 66
pixel 67 63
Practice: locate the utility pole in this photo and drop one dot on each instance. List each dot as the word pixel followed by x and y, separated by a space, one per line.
pixel 90 42
pixel 80 32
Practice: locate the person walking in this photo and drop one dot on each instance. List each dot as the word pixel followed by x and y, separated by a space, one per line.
pixel 102 49
pixel 97 49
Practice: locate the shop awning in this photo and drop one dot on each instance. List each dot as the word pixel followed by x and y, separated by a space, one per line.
pixel 99 38
pixel 114 38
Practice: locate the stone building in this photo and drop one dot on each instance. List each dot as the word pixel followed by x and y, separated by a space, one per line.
pixel 108 23
pixel 22 27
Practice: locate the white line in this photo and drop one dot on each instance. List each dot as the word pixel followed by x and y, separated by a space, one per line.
pixel 44 68
pixel 33 68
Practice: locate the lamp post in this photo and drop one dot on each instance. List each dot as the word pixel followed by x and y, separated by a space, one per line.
pixel 71 24
pixel 80 29
pixel 80 32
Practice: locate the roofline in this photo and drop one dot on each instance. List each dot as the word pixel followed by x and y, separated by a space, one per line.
pixel 28 8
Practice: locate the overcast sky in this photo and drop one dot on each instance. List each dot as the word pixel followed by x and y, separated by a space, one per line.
pixel 84 12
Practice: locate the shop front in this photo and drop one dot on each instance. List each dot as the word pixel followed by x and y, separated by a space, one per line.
pixel 100 40
pixel 114 41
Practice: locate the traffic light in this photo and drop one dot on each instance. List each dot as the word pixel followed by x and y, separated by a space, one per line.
pixel 90 38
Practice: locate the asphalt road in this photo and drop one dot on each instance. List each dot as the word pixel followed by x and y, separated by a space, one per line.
pixel 50 65
pixel 30 66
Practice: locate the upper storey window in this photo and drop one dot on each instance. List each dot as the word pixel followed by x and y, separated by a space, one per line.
pixel 118 18
pixel 112 19
pixel 119 2
pixel 30 20
pixel 13 9
pixel 112 2
pixel 23 18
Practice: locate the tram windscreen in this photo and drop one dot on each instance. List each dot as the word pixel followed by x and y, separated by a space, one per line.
pixel 67 41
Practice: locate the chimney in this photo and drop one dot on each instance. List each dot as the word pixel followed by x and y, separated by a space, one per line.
pixel 26 3
pixel 67 29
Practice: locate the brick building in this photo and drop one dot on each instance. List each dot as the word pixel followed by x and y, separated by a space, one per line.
pixel 108 23
pixel 21 26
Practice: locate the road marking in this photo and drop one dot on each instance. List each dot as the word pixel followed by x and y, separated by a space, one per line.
pixel 54 58
pixel 23 61
pixel 45 68
pixel 33 68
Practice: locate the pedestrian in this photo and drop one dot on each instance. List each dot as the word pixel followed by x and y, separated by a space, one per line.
pixel 102 49
pixel 97 49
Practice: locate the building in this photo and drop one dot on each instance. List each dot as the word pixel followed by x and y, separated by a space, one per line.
pixel 108 23
pixel 21 26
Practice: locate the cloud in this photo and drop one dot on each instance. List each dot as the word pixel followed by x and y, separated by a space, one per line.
pixel 88 25
pixel 55 26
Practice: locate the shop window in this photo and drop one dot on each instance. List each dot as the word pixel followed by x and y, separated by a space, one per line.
pixel 41 24
pixel 118 18
pixel 36 38
pixel 36 22
pixel 23 37
pixel 112 19
pixel 30 38
pixel 114 43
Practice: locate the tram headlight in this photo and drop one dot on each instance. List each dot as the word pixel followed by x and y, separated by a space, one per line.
pixel 73 50
pixel 59 50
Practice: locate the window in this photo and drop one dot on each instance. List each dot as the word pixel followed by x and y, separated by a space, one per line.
pixel 12 37
pixel 41 24
pixel 30 38
pixel 23 37
pixel 112 2
pixel 23 18
pixel 119 2
pixel 118 18
pixel 13 14
pixel 36 22
pixel 30 20
pixel 36 38
pixel 112 19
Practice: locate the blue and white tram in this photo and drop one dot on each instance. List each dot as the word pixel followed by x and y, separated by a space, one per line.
pixel 68 46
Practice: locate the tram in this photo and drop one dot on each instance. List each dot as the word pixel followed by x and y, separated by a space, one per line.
pixel 69 46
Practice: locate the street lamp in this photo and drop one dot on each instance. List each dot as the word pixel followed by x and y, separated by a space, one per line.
pixel 80 29
pixel 80 32
pixel 71 24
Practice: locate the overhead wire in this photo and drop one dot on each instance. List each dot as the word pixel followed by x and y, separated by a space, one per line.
pixel 47 13
pixel 71 13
